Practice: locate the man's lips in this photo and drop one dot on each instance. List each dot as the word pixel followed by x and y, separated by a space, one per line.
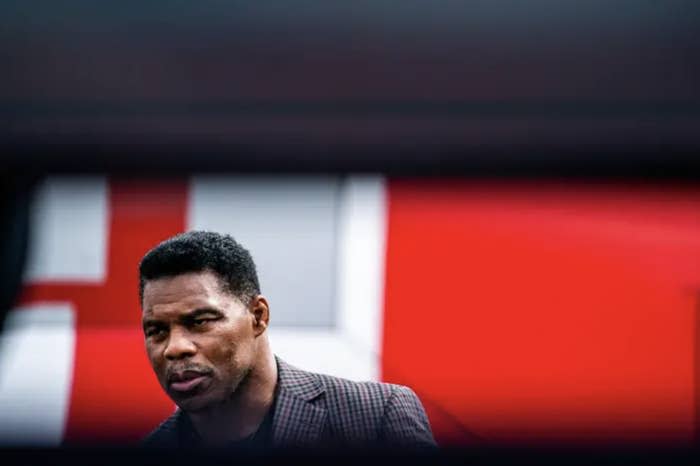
pixel 186 381
pixel 187 385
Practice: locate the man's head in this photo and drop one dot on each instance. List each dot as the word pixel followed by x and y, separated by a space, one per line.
pixel 204 319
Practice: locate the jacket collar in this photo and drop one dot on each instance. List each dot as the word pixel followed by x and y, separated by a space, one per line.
pixel 298 420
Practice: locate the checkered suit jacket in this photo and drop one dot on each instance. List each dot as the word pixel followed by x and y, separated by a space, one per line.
pixel 319 411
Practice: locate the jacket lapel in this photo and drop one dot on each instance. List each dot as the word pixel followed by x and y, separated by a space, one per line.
pixel 298 419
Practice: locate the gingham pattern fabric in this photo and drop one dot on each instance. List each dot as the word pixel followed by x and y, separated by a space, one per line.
pixel 320 411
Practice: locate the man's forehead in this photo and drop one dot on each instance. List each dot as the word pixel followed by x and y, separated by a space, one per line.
pixel 187 302
pixel 183 291
pixel 189 281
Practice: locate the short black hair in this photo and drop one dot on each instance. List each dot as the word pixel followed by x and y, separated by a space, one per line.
pixel 199 251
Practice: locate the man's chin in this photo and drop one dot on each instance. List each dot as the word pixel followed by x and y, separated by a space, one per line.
pixel 193 403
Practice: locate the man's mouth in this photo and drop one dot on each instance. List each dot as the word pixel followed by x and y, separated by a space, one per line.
pixel 186 381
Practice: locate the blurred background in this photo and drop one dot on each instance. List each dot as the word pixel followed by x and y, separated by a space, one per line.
pixel 494 203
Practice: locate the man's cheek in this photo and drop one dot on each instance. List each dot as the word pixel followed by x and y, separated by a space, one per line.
pixel 156 363
pixel 151 358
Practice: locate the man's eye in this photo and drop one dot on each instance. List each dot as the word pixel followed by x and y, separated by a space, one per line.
pixel 200 322
pixel 155 332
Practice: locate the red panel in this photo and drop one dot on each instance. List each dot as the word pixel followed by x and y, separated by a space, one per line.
pixel 141 215
pixel 115 396
pixel 544 313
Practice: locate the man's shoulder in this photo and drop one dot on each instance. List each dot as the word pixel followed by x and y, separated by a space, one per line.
pixel 340 387
pixel 380 392
pixel 367 411
pixel 341 395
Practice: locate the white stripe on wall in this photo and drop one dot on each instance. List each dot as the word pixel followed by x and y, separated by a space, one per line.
pixel 353 349
pixel 69 225
pixel 36 370
pixel 361 262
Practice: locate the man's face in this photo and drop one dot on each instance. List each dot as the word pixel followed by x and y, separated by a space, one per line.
pixel 201 340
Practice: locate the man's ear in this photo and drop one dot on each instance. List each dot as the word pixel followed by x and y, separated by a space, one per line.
pixel 261 313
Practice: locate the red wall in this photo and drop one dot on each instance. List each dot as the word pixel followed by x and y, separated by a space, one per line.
pixel 545 312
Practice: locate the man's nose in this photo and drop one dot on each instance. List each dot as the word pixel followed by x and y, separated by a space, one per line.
pixel 179 346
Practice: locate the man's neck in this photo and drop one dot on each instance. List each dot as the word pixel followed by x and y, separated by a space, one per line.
pixel 242 414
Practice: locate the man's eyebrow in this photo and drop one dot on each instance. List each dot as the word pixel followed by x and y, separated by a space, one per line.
pixel 200 312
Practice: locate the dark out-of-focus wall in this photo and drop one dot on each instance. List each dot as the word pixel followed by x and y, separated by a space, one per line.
pixel 409 86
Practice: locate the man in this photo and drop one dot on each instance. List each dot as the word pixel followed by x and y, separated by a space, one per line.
pixel 205 325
